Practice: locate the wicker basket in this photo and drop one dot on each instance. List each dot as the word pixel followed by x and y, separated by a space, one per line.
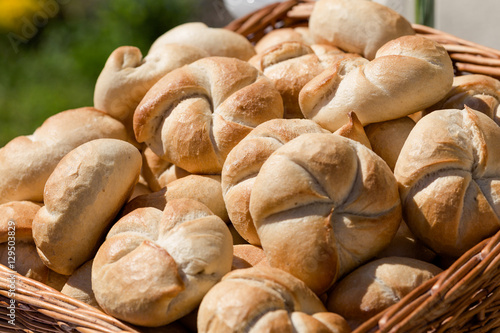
pixel 464 298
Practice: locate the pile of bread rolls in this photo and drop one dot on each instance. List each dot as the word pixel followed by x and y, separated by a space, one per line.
pixel 302 184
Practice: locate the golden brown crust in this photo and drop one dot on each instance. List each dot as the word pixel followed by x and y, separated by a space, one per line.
pixel 79 285
pixel 247 255
pixel 354 130
pixel 17 217
pixel 278 36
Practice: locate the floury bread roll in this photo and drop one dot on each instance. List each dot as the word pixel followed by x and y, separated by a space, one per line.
pixel 82 196
pixel 165 261
pixel 265 299
pixel 26 162
pixel 359 26
pixel 376 286
pixel 448 173
pixel 322 205
pixel 196 114
pixel 216 42
pixel 127 76
pixel 408 74
pixel 244 162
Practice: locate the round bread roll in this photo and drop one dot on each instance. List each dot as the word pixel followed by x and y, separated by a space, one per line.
pixel 215 41
pixel 388 137
pixel 205 189
pixel 82 197
pixel 265 299
pixel 166 261
pixel 356 26
pixel 79 285
pixel 244 162
pixel 322 205
pixel 407 75
pixel 26 162
pixel 127 76
pixel 278 36
pixel 196 114
pixel 477 91
pixel 448 173
pixel 376 286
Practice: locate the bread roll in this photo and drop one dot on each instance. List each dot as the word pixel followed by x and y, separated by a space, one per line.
pixel 354 130
pixel 82 196
pixel 155 199
pixel 447 173
pixel 265 299
pixel 356 26
pixel 196 114
pixel 27 161
pixel 325 203
pixel 407 75
pixel 247 255
pixel 388 137
pixel 166 261
pixel 215 41
pixel 376 286
pixel 79 285
pixel 244 162
pixel 278 36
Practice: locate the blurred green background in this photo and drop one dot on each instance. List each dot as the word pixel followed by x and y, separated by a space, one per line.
pixel 52 51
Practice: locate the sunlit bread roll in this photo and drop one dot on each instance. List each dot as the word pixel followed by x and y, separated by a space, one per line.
pixel 448 172
pixel 27 161
pixel 356 26
pixel 278 36
pixel 247 255
pixel 354 130
pixel 290 65
pixel 244 162
pixel 322 205
pixel 387 138
pixel 82 196
pixel 477 91
pixel 196 114
pixel 215 41
pixel 79 285
pixel 376 286
pixel 407 75
pixel 166 261
pixel 127 76
pixel 265 299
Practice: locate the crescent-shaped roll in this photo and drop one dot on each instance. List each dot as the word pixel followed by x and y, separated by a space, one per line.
pixel 196 114
pixel 449 179
pixel 244 162
pixel 359 26
pixel 166 261
pixel 82 197
pixel 322 205
pixel 265 299
pixel 26 162
pixel 407 75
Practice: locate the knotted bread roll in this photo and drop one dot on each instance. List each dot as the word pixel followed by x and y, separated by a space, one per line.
pixel 359 26
pixel 265 299
pixel 82 197
pixel 127 76
pixel 322 205
pixel 216 42
pixel 196 114
pixel 27 161
pixel 166 261
pixel 448 173
pixel 407 75
pixel 244 162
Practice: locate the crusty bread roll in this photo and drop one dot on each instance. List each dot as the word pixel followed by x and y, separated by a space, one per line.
pixel 447 173
pixel 376 286
pixel 27 161
pixel 356 26
pixel 354 130
pixel 265 299
pixel 215 41
pixel 155 199
pixel 278 36
pixel 388 137
pixel 244 162
pixel 322 205
pixel 290 65
pixel 82 196
pixel 247 255
pixel 79 285
pixel 407 75
pixel 477 91
pixel 196 114
pixel 166 261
